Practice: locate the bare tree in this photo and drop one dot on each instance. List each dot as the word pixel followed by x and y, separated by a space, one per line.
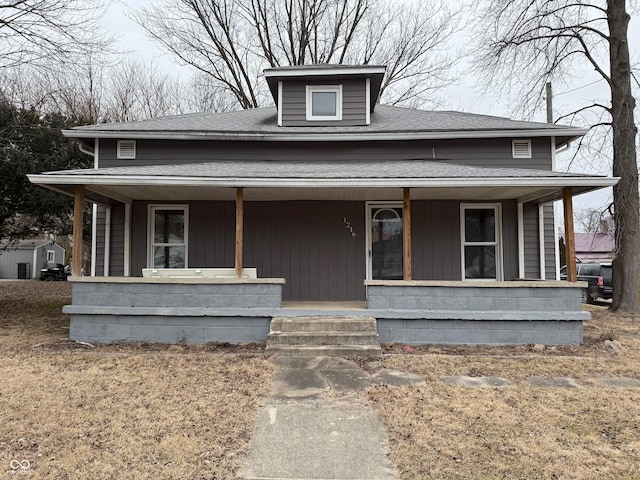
pixel 139 90
pixel 531 42
pixel 232 41
pixel 43 32
pixel 594 220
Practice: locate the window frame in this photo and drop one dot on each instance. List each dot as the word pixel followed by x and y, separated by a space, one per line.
pixel 51 253
pixel 311 89
pixel 151 232
pixel 126 156
pixel 497 243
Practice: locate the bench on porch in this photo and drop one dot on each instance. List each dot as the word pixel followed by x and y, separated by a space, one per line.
pixel 247 273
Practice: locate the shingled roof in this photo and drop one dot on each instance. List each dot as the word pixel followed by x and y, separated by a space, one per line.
pixel 387 122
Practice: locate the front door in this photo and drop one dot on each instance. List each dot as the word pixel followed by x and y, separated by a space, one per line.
pixel 385 245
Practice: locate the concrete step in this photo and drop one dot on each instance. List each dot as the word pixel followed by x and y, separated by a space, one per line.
pixel 323 324
pixel 323 338
pixel 370 351
pixel 324 335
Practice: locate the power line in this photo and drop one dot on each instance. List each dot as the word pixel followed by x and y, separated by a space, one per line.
pixel 581 87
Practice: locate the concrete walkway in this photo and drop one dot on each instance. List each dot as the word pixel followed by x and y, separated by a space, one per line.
pixel 316 425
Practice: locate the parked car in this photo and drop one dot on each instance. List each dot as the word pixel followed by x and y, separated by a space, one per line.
pixel 54 273
pixel 599 278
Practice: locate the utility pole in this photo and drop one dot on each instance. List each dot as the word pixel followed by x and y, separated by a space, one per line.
pixel 549 103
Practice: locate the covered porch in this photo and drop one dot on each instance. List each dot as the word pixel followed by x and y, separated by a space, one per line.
pixel 461 306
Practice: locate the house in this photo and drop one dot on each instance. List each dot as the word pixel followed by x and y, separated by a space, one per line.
pixel 23 259
pixel 595 247
pixel 437 225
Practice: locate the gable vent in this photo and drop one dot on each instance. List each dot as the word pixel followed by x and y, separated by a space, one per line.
pixel 126 149
pixel 522 149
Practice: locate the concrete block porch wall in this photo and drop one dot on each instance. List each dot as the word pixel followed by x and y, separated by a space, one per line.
pixel 484 313
pixel 113 309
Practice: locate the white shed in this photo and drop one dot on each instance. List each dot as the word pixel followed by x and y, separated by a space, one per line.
pixel 23 259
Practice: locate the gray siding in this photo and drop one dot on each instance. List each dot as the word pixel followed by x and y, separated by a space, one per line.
pixel 510 239
pixel 308 244
pixel 531 241
pixel 116 258
pixel 476 152
pixel 435 240
pixel 100 243
pixel 549 242
pixel 294 106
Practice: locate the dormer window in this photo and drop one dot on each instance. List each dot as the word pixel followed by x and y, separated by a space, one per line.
pixel 324 102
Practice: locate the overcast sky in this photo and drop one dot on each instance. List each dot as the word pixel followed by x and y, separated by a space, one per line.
pixel 465 96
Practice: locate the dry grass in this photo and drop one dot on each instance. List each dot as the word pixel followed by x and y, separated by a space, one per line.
pixel 129 411
pixel 183 412
pixel 522 432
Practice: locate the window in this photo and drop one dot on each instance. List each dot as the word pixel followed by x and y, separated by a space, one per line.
pixel 127 149
pixel 51 257
pixel 481 242
pixel 324 102
pixel 168 236
pixel 521 148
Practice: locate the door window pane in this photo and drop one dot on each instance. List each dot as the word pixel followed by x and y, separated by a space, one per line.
pixel 387 244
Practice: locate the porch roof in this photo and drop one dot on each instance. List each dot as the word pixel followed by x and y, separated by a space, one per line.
pixel 280 180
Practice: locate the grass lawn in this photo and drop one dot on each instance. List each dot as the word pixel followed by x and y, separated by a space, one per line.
pixel 127 411
pixel 187 412
pixel 520 432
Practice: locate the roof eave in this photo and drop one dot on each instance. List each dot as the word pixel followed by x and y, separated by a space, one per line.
pixel 278 182
pixel 571 133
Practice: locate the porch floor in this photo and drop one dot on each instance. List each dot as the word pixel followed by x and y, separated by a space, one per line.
pixel 323 305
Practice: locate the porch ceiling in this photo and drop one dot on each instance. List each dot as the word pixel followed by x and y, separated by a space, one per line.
pixel 269 181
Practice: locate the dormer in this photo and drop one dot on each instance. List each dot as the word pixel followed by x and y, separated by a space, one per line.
pixel 325 95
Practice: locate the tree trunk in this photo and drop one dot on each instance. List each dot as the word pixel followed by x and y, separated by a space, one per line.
pixel 626 269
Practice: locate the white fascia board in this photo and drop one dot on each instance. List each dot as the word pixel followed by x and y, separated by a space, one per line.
pixel 325 72
pixel 123 180
pixel 324 137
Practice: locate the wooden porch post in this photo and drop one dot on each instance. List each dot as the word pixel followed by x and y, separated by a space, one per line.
pixel 76 253
pixel 406 218
pixel 239 230
pixel 569 240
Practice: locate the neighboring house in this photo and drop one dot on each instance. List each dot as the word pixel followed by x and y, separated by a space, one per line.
pixel 434 219
pixel 23 259
pixel 595 247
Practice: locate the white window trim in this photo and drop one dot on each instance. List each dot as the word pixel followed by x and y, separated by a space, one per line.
pixel 280 103
pixel 121 154
pixel 150 231
pixel 337 89
pixel 51 253
pixel 522 142
pixel 368 101
pixel 497 207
